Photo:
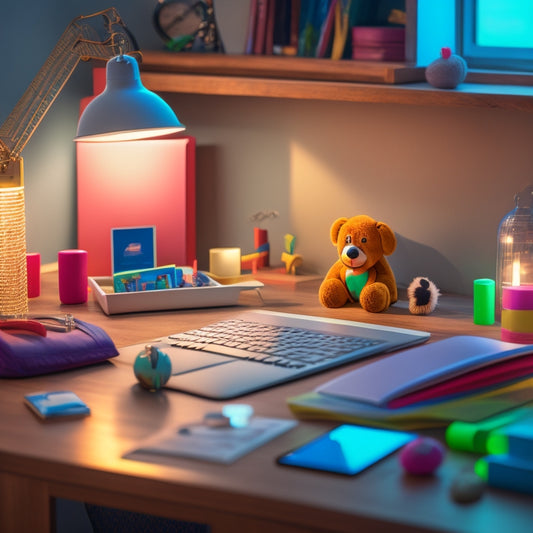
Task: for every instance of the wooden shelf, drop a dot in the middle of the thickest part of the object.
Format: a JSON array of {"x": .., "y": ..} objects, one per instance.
[{"x": 318, "y": 79}]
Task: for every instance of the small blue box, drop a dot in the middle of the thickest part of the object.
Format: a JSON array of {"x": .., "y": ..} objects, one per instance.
[
  {"x": 506, "y": 472},
  {"x": 56, "y": 404},
  {"x": 515, "y": 439}
]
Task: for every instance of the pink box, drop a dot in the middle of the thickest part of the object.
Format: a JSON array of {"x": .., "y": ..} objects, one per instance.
[
  {"x": 377, "y": 35},
  {"x": 149, "y": 182},
  {"x": 379, "y": 53}
]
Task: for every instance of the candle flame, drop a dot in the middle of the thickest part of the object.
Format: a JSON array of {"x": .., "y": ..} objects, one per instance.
[{"x": 516, "y": 273}]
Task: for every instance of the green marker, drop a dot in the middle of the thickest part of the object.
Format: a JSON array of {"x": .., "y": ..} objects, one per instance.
[{"x": 472, "y": 436}]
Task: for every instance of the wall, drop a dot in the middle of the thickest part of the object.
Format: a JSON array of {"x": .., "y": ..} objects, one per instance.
[
  {"x": 442, "y": 178},
  {"x": 30, "y": 30}
]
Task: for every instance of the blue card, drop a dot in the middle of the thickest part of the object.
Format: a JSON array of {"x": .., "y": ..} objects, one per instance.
[
  {"x": 56, "y": 404},
  {"x": 133, "y": 248}
]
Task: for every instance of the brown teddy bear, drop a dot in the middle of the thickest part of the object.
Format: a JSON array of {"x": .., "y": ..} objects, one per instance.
[{"x": 361, "y": 272}]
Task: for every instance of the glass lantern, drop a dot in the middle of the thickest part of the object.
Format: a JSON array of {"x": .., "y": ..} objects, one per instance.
[{"x": 515, "y": 245}]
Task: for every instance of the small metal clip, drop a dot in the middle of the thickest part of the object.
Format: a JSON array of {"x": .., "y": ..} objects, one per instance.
[{"x": 63, "y": 324}]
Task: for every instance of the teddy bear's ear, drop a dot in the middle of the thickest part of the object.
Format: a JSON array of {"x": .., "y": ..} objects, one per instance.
[
  {"x": 388, "y": 239},
  {"x": 335, "y": 228}
]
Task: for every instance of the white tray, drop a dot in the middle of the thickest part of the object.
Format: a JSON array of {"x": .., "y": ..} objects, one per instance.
[{"x": 166, "y": 299}]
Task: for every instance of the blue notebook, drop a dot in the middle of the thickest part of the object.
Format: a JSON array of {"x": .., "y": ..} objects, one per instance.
[{"x": 379, "y": 382}]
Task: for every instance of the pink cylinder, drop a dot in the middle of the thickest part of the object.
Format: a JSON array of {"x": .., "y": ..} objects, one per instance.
[
  {"x": 516, "y": 337},
  {"x": 518, "y": 298},
  {"x": 33, "y": 269},
  {"x": 73, "y": 282}
]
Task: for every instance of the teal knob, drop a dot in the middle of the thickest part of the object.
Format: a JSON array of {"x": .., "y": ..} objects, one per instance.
[{"x": 152, "y": 368}]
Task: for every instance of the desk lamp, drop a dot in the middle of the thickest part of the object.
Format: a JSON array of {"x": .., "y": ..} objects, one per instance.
[{"x": 102, "y": 35}]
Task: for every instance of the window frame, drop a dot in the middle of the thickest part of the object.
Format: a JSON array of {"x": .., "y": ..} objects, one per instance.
[{"x": 486, "y": 57}]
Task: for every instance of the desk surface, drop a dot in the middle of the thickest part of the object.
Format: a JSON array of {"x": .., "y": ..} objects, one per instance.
[{"x": 81, "y": 459}]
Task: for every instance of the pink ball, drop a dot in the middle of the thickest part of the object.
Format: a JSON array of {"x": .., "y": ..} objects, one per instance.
[{"x": 422, "y": 456}]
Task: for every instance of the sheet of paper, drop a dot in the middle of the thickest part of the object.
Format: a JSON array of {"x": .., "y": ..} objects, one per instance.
[{"x": 219, "y": 445}]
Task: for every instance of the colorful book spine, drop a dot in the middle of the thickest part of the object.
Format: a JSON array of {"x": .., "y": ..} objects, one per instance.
[{"x": 261, "y": 26}]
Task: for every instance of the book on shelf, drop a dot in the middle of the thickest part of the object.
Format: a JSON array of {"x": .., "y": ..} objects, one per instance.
[
  {"x": 261, "y": 26},
  {"x": 323, "y": 47},
  {"x": 250, "y": 37},
  {"x": 321, "y": 28}
]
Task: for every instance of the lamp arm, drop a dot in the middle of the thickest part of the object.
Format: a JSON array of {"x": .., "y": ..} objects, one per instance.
[{"x": 101, "y": 35}]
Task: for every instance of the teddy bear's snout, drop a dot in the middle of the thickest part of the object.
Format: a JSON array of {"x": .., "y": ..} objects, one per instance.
[
  {"x": 353, "y": 256},
  {"x": 353, "y": 252}
]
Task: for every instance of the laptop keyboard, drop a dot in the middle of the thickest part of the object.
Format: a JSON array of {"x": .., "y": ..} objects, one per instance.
[{"x": 285, "y": 346}]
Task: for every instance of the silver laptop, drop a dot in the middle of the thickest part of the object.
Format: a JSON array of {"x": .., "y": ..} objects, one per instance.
[{"x": 258, "y": 349}]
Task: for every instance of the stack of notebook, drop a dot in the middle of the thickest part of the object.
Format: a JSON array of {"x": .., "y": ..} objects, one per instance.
[{"x": 464, "y": 378}]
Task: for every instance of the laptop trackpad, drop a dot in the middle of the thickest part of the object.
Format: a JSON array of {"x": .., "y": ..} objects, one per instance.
[
  {"x": 182, "y": 360},
  {"x": 228, "y": 381}
]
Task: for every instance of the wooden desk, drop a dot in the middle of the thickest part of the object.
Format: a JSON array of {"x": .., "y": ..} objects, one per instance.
[{"x": 81, "y": 459}]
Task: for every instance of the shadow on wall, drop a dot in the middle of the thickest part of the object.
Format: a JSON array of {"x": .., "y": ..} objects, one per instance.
[
  {"x": 208, "y": 207},
  {"x": 412, "y": 259}
]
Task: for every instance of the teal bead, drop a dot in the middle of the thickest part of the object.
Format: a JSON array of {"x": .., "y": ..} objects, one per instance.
[{"x": 152, "y": 368}]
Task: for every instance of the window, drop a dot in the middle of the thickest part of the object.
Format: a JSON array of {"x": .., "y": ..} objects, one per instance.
[{"x": 496, "y": 34}]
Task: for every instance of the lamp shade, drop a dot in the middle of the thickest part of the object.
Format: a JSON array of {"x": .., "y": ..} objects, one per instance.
[{"x": 126, "y": 110}]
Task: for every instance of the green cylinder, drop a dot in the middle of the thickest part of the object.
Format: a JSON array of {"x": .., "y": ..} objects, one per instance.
[{"x": 484, "y": 301}]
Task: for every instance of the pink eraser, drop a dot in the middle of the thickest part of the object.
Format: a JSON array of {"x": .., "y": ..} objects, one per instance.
[
  {"x": 422, "y": 456},
  {"x": 72, "y": 268},
  {"x": 33, "y": 269},
  {"x": 518, "y": 298}
]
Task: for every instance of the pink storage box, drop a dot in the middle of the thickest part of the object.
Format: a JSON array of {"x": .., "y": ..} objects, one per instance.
[
  {"x": 378, "y": 43},
  {"x": 377, "y": 35}
]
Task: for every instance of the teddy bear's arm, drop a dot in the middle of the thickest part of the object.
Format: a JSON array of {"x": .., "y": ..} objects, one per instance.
[
  {"x": 335, "y": 271},
  {"x": 333, "y": 291},
  {"x": 385, "y": 275}
]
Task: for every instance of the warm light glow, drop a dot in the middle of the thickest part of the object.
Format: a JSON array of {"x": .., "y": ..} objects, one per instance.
[
  {"x": 141, "y": 183},
  {"x": 132, "y": 135},
  {"x": 515, "y": 279},
  {"x": 225, "y": 262}
]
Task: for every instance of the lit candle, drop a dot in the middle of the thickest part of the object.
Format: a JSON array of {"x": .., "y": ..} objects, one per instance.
[
  {"x": 225, "y": 262},
  {"x": 515, "y": 279}
]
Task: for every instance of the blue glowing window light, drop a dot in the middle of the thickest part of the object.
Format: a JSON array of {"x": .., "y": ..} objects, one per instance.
[{"x": 506, "y": 23}]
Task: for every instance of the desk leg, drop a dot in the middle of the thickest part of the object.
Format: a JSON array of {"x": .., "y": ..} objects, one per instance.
[{"x": 25, "y": 505}]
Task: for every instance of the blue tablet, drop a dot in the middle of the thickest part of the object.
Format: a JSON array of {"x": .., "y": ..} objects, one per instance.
[{"x": 347, "y": 449}]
